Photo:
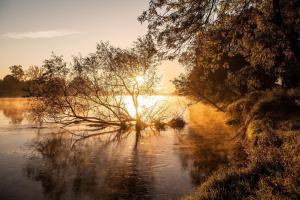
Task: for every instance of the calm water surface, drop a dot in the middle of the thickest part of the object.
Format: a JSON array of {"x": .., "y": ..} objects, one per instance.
[{"x": 50, "y": 163}]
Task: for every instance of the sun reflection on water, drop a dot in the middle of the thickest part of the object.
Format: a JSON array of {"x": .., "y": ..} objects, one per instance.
[{"x": 145, "y": 103}]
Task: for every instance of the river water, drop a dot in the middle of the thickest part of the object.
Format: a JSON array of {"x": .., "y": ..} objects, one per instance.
[{"x": 49, "y": 163}]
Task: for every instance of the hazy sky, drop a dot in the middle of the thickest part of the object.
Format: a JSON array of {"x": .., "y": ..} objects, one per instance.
[{"x": 31, "y": 29}]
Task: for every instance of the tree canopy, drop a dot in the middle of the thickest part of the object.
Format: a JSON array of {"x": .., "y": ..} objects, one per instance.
[
  {"x": 95, "y": 90},
  {"x": 230, "y": 47},
  {"x": 17, "y": 72}
]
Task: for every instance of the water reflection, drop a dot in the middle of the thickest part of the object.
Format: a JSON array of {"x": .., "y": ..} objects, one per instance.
[
  {"x": 13, "y": 109},
  {"x": 94, "y": 169},
  {"x": 165, "y": 165},
  {"x": 207, "y": 146},
  {"x": 201, "y": 158}
]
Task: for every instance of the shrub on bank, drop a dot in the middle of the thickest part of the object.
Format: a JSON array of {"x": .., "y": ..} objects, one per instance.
[
  {"x": 271, "y": 173},
  {"x": 271, "y": 167}
]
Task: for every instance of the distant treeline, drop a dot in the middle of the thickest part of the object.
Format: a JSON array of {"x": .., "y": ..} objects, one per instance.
[
  {"x": 19, "y": 82},
  {"x": 12, "y": 87}
]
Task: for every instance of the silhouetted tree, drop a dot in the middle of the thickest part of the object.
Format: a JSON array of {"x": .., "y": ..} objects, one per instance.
[
  {"x": 17, "y": 72},
  {"x": 11, "y": 87},
  {"x": 14, "y": 84},
  {"x": 33, "y": 75},
  {"x": 96, "y": 90}
]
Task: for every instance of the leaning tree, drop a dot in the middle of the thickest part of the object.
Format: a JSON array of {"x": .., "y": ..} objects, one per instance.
[{"x": 95, "y": 90}]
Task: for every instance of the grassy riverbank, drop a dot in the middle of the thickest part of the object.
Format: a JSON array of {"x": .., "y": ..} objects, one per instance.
[{"x": 266, "y": 162}]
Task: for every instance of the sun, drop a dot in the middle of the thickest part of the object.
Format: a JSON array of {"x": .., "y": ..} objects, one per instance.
[{"x": 140, "y": 80}]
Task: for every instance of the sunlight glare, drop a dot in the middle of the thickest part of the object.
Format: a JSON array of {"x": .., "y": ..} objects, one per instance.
[
  {"x": 146, "y": 102},
  {"x": 140, "y": 80}
]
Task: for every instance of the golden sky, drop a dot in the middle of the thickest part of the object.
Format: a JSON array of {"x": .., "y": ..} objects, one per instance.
[{"x": 32, "y": 29}]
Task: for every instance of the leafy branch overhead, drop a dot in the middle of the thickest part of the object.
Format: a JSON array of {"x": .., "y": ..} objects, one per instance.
[{"x": 230, "y": 47}]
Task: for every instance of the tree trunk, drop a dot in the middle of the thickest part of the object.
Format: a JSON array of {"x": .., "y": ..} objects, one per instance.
[{"x": 138, "y": 122}]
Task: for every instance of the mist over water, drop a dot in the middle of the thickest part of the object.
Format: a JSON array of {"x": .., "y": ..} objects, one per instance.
[{"x": 45, "y": 163}]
